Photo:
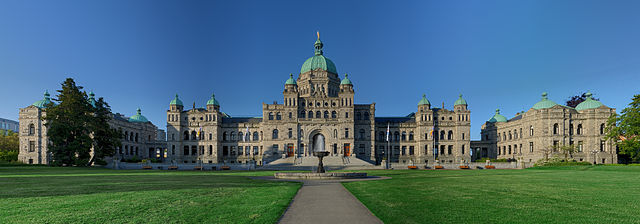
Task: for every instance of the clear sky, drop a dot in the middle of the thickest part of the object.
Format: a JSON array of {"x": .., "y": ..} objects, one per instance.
[{"x": 499, "y": 54}]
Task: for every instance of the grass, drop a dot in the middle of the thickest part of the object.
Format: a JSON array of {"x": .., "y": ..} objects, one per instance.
[
  {"x": 584, "y": 194},
  {"x": 31, "y": 194}
]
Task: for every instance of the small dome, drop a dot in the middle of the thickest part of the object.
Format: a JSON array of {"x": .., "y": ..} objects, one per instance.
[
  {"x": 346, "y": 80},
  {"x": 92, "y": 99},
  {"x": 460, "y": 101},
  {"x": 213, "y": 101},
  {"x": 424, "y": 100},
  {"x": 544, "y": 103},
  {"x": 43, "y": 102},
  {"x": 318, "y": 60},
  {"x": 138, "y": 118},
  {"x": 589, "y": 103},
  {"x": 291, "y": 81},
  {"x": 176, "y": 101},
  {"x": 497, "y": 117}
]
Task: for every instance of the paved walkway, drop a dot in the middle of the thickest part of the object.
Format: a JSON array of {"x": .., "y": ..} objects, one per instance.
[{"x": 326, "y": 202}]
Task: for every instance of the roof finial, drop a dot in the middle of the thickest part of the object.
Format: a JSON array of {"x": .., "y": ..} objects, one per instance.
[
  {"x": 497, "y": 111},
  {"x": 460, "y": 95},
  {"x": 318, "y": 33},
  {"x": 544, "y": 95},
  {"x": 194, "y": 105},
  {"x": 424, "y": 95},
  {"x": 290, "y": 75},
  {"x": 588, "y": 95},
  {"x": 139, "y": 111},
  {"x": 318, "y": 45}
]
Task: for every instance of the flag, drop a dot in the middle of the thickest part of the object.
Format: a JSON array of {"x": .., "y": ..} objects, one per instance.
[
  {"x": 387, "y": 132},
  {"x": 199, "y": 131}
]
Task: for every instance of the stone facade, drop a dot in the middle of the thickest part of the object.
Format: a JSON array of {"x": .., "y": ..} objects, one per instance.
[
  {"x": 531, "y": 135},
  {"x": 317, "y": 103},
  {"x": 140, "y": 139}
]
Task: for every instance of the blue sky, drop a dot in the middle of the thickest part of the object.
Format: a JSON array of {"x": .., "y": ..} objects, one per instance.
[{"x": 499, "y": 54}]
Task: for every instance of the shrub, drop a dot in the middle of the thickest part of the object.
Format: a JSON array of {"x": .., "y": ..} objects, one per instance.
[
  {"x": 482, "y": 160},
  {"x": 555, "y": 161}
]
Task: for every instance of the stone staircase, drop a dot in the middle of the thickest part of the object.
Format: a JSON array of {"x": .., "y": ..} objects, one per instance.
[{"x": 309, "y": 163}]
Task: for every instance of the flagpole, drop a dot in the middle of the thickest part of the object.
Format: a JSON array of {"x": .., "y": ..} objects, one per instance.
[{"x": 388, "y": 150}]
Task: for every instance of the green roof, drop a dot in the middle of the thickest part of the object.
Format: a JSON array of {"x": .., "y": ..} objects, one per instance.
[
  {"x": 176, "y": 101},
  {"x": 544, "y": 103},
  {"x": 497, "y": 117},
  {"x": 460, "y": 101},
  {"x": 138, "y": 118},
  {"x": 92, "y": 99},
  {"x": 43, "y": 102},
  {"x": 346, "y": 80},
  {"x": 213, "y": 101},
  {"x": 318, "y": 60},
  {"x": 589, "y": 103},
  {"x": 424, "y": 100},
  {"x": 291, "y": 81}
]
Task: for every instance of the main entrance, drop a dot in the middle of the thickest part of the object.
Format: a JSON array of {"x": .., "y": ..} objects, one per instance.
[
  {"x": 290, "y": 150},
  {"x": 347, "y": 149}
]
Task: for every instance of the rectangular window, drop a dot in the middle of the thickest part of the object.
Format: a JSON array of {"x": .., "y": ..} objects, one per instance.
[
  {"x": 601, "y": 146},
  {"x": 255, "y": 150},
  {"x": 233, "y": 150},
  {"x": 239, "y": 150},
  {"x": 194, "y": 150},
  {"x": 404, "y": 150},
  {"x": 579, "y": 146},
  {"x": 290, "y": 133},
  {"x": 32, "y": 146},
  {"x": 346, "y": 133},
  {"x": 462, "y": 149},
  {"x": 411, "y": 150},
  {"x": 274, "y": 147},
  {"x": 449, "y": 149},
  {"x": 186, "y": 150},
  {"x": 530, "y": 146}
]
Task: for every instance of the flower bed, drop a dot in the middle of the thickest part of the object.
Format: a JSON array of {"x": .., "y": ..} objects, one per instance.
[
  {"x": 226, "y": 168},
  {"x": 413, "y": 167},
  {"x": 464, "y": 167},
  {"x": 489, "y": 167},
  {"x": 438, "y": 167},
  {"x": 147, "y": 167}
]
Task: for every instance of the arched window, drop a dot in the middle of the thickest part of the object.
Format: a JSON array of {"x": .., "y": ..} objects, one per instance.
[
  {"x": 126, "y": 136},
  {"x": 504, "y": 136},
  {"x": 531, "y": 130},
  {"x": 334, "y": 114},
  {"x": 310, "y": 114},
  {"x": 303, "y": 114},
  {"x": 396, "y": 136},
  {"x": 210, "y": 136},
  {"x": 225, "y": 136},
  {"x": 366, "y": 115},
  {"x": 193, "y": 135},
  {"x": 570, "y": 129},
  {"x": 318, "y": 115},
  {"x": 233, "y": 136},
  {"x": 404, "y": 136},
  {"x": 275, "y": 134},
  {"x": 555, "y": 128},
  {"x": 411, "y": 136},
  {"x": 290, "y": 115},
  {"x": 602, "y": 129},
  {"x": 270, "y": 116},
  {"x": 255, "y": 136},
  {"x": 240, "y": 136},
  {"x": 358, "y": 116},
  {"x": 131, "y": 136},
  {"x": 326, "y": 114},
  {"x": 442, "y": 135},
  {"x": 510, "y": 136},
  {"x": 579, "y": 130},
  {"x": 381, "y": 136},
  {"x": 32, "y": 129},
  {"x": 335, "y": 133},
  {"x": 186, "y": 135},
  {"x": 450, "y": 135},
  {"x": 136, "y": 137},
  {"x": 278, "y": 116},
  {"x": 515, "y": 134},
  {"x": 362, "y": 135}
]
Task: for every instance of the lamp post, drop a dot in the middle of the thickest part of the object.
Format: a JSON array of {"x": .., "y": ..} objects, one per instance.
[{"x": 595, "y": 153}]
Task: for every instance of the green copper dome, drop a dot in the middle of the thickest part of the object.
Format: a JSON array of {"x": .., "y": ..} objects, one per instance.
[
  {"x": 346, "y": 80},
  {"x": 138, "y": 118},
  {"x": 544, "y": 103},
  {"x": 213, "y": 101},
  {"x": 497, "y": 117},
  {"x": 318, "y": 60},
  {"x": 43, "y": 102},
  {"x": 589, "y": 103},
  {"x": 460, "y": 101},
  {"x": 424, "y": 100},
  {"x": 92, "y": 99},
  {"x": 176, "y": 101},
  {"x": 291, "y": 81}
]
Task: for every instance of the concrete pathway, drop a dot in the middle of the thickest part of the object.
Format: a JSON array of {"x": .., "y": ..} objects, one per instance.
[{"x": 326, "y": 201}]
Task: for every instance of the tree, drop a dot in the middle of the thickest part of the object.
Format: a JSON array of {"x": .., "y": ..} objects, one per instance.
[
  {"x": 9, "y": 146},
  {"x": 624, "y": 129},
  {"x": 567, "y": 150},
  {"x": 577, "y": 99},
  {"x": 105, "y": 138}
]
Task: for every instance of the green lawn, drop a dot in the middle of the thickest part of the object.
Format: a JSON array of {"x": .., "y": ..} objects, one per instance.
[
  {"x": 94, "y": 195},
  {"x": 600, "y": 194}
]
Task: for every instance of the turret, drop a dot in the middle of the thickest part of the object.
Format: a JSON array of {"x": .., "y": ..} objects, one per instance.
[
  {"x": 176, "y": 104},
  {"x": 212, "y": 103},
  {"x": 460, "y": 104}
]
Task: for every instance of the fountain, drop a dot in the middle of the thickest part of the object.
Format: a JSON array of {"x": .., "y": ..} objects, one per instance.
[{"x": 319, "y": 173}]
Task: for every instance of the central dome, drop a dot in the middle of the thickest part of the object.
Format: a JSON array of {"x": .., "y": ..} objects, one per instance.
[{"x": 318, "y": 61}]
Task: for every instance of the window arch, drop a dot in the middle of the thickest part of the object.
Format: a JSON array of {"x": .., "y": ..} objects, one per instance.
[
  {"x": 186, "y": 135},
  {"x": 270, "y": 115},
  {"x": 274, "y": 135},
  {"x": 233, "y": 136},
  {"x": 310, "y": 114},
  {"x": 555, "y": 128},
  {"x": 510, "y": 136},
  {"x": 531, "y": 130},
  {"x": 303, "y": 114},
  {"x": 225, "y": 136},
  {"x": 334, "y": 114},
  {"x": 255, "y": 136},
  {"x": 193, "y": 135},
  {"x": 362, "y": 134},
  {"x": 442, "y": 134},
  {"x": 32, "y": 129},
  {"x": 290, "y": 115},
  {"x": 515, "y": 134},
  {"x": 570, "y": 129},
  {"x": 318, "y": 115},
  {"x": 404, "y": 136},
  {"x": 450, "y": 135},
  {"x": 358, "y": 116},
  {"x": 602, "y": 129},
  {"x": 335, "y": 133},
  {"x": 210, "y": 136},
  {"x": 411, "y": 136},
  {"x": 240, "y": 135},
  {"x": 326, "y": 114},
  {"x": 278, "y": 116},
  {"x": 579, "y": 130},
  {"x": 396, "y": 136}
]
